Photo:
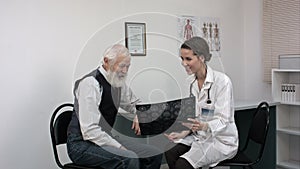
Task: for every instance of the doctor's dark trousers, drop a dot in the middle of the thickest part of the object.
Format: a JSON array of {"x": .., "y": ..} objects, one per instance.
[{"x": 173, "y": 153}]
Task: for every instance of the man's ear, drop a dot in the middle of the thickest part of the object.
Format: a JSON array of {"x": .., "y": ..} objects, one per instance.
[
  {"x": 105, "y": 63},
  {"x": 105, "y": 60}
]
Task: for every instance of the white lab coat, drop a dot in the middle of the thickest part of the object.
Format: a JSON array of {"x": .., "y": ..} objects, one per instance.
[{"x": 220, "y": 142}]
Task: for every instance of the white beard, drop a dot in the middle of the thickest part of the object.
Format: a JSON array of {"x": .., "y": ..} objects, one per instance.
[{"x": 116, "y": 79}]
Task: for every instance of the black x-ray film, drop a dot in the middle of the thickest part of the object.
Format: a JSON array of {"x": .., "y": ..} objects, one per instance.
[{"x": 165, "y": 117}]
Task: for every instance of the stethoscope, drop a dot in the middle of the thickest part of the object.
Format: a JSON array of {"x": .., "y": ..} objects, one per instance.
[{"x": 208, "y": 101}]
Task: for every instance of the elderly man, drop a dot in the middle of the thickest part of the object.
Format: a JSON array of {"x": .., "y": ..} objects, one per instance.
[{"x": 98, "y": 95}]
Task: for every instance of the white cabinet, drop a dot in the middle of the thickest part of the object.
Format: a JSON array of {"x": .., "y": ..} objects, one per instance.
[{"x": 288, "y": 119}]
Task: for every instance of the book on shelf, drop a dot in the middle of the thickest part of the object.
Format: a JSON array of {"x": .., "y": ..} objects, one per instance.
[{"x": 290, "y": 92}]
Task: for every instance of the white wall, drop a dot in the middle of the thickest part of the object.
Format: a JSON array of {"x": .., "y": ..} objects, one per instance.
[
  {"x": 255, "y": 88},
  {"x": 45, "y": 45}
]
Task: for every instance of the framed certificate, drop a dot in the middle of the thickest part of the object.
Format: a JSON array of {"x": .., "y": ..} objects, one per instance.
[{"x": 135, "y": 38}]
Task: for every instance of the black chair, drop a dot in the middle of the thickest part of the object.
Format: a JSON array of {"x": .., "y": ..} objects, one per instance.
[
  {"x": 257, "y": 134},
  {"x": 58, "y": 128}
]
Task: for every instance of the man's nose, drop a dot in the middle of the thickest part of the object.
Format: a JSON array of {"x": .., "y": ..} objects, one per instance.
[{"x": 125, "y": 69}]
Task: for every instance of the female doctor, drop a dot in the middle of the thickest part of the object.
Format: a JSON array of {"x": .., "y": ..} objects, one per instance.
[{"x": 213, "y": 135}]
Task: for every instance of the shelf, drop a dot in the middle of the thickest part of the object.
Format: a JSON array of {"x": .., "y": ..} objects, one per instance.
[
  {"x": 287, "y": 70},
  {"x": 290, "y": 130},
  {"x": 284, "y": 76},
  {"x": 289, "y": 164},
  {"x": 291, "y": 103},
  {"x": 288, "y": 120}
]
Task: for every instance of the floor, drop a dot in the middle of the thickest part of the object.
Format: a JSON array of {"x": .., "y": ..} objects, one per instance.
[{"x": 165, "y": 166}]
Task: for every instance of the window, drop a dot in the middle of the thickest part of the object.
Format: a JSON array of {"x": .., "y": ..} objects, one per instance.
[{"x": 281, "y": 32}]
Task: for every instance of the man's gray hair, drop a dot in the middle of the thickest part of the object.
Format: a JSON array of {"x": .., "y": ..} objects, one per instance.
[{"x": 112, "y": 52}]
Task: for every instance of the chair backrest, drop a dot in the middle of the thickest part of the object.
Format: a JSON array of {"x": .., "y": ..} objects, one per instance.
[
  {"x": 260, "y": 123},
  {"x": 58, "y": 127},
  {"x": 259, "y": 126}
]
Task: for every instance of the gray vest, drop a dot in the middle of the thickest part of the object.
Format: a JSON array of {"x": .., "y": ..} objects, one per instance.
[{"x": 108, "y": 107}]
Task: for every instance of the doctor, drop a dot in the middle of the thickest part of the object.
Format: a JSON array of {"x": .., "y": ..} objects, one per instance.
[{"x": 213, "y": 135}]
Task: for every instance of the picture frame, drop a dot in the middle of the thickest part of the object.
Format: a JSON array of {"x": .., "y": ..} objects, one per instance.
[{"x": 135, "y": 38}]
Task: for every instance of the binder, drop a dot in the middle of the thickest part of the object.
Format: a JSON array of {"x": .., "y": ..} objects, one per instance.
[
  {"x": 290, "y": 92},
  {"x": 296, "y": 92}
]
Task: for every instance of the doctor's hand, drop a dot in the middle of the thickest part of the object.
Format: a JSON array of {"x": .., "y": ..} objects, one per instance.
[
  {"x": 196, "y": 125},
  {"x": 175, "y": 135},
  {"x": 136, "y": 126}
]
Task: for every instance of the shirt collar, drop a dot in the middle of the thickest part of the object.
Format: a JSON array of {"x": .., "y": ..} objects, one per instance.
[
  {"x": 209, "y": 76},
  {"x": 103, "y": 71}
]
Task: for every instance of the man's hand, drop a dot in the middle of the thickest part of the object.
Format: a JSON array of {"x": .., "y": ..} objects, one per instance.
[
  {"x": 123, "y": 148},
  {"x": 136, "y": 126}
]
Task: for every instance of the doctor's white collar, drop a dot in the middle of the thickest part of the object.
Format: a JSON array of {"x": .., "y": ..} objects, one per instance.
[{"x": 209, "y": 76}]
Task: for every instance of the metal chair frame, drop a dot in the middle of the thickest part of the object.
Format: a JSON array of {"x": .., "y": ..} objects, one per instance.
[
  {"x": 58, "y": 129},
  {"x": 257, "y": 133}
]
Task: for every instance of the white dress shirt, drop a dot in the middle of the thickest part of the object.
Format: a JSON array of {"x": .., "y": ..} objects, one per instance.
[{"x": 89, "y": 95}]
